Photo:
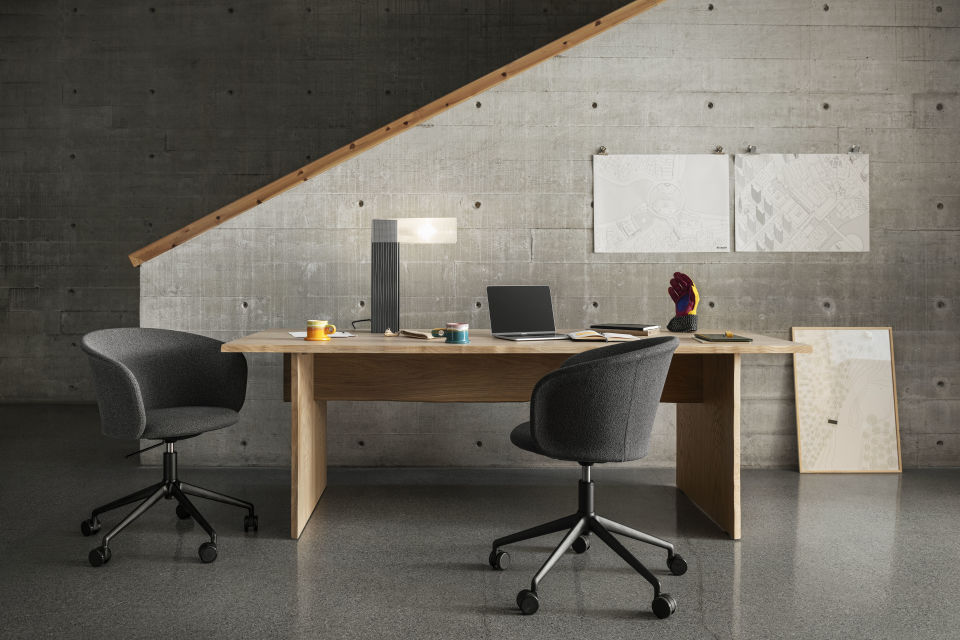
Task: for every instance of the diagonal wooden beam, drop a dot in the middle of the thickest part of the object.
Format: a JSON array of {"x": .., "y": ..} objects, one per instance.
[{"x": 395, "y": 128}]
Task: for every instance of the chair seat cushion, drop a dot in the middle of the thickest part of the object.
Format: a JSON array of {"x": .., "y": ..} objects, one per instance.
[
  {"x": 523, "y": 438},
  {"x": 184, "y": 422}
]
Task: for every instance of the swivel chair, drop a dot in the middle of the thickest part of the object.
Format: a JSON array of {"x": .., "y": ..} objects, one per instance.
[
  {"x": 164, "y": 385},
  {"x": 599, "y": 406}
]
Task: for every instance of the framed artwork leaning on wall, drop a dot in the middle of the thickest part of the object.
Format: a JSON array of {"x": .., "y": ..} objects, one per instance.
[{"x": 846, "y": 399}]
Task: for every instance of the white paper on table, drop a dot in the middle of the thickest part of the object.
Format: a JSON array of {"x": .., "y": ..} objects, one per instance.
[{"x": 338, "y": 334}]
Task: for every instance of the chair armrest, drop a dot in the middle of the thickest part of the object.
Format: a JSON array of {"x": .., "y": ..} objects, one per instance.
[
  {"x": 579, "y": 412},
  {"x": 122, "y": 412},
  {"x": 226, "y": 379},
  {"x": 199, "y": 376},
  {"x": 191, "y": 371}
]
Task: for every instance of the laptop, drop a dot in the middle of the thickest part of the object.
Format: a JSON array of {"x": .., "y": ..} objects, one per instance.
[{"x": 522, "y": 312}]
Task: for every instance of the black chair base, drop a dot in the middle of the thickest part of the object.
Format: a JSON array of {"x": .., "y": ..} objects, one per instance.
[
  {"x": 169, "y": 488},
  {"x": 580, "y": 525}
]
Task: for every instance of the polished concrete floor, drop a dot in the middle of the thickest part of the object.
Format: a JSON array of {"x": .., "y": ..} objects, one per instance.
[{"x": 402, "y": 553}]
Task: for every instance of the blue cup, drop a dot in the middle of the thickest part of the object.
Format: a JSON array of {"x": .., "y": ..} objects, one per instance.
[{"x": 455, "y": 333}]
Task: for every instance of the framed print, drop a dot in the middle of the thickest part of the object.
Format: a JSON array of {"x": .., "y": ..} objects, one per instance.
[{"x": 846, "y": 396}]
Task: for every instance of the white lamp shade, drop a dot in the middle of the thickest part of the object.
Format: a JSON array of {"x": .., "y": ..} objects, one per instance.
[{"x": 427, "y": 230}]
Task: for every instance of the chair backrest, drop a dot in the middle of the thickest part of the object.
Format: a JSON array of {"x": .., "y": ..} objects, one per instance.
[
  {"x": 599, "y": 406},
  {"x": 135, "y": 370}
]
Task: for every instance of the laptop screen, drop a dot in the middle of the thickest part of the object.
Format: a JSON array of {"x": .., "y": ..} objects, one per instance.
[{"x": 520, "y": 309}]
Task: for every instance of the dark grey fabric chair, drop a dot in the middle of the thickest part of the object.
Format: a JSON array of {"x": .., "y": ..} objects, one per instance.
[
  {"x": 164, "y": 385},
  {"x": 599, "y": 406}
]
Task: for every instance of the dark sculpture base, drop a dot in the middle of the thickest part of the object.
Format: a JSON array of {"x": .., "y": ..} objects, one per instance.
[{"x": 682, "y": 324}]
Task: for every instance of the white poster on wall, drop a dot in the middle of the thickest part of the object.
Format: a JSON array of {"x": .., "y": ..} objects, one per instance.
[
  {"x": 814, "y": 202},
  {"x": 661, "y": 203}
]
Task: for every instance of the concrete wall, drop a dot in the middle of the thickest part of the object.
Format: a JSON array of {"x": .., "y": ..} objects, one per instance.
[
  {"x": 514, "y": 166},
  {"x": 123, "y": 121}
]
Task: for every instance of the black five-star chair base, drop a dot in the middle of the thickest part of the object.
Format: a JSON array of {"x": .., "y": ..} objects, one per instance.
[
  {"x": 170, "y": 487},
  {"x": 580, "y": 525}
]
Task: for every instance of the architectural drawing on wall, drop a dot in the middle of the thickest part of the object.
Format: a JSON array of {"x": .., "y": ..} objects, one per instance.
[
  {"x": 846, "y": 400},
  {"x": 789, "y": 202},
  {"x": 661, "y": 203}
]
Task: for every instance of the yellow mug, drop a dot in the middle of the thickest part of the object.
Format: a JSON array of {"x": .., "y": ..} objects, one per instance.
[{"x": 319, "y": 330}]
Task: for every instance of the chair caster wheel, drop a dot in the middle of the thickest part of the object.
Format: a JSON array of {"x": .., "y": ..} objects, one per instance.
[
  {"x": 677, "y": 565},
  {"x": 99, "y": 556},
  {"x": 499, "y": 559},
  {"x": 207, "y": 552},
  {"x": 251, "y": 522},
  {"x": 664, "y": 605},
  {"x": 182, "y": 513},
  {"x": 90, "y": 527},
  {"x": 581, "y": 544},
  {"x": 528, "y": 602}
]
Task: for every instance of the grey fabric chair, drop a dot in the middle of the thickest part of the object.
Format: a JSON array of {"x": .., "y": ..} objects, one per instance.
[
  {"x": 164, "y": 385},
  {"x": 599, "y": 406}
]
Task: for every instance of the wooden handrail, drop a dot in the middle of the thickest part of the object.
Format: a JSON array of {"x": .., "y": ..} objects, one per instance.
[{"x": 383, "y": 134}]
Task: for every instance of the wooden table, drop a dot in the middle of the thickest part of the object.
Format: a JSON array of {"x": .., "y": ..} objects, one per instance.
[{"x": 704, "y": 381}]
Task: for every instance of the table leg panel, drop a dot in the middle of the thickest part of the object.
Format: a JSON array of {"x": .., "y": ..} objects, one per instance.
[
  {"x": 708, "y": 444},
  {"x": 308, "y": 444}
]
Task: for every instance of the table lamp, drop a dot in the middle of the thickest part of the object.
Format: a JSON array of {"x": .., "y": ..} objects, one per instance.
[{"x": 387, "y": 237}]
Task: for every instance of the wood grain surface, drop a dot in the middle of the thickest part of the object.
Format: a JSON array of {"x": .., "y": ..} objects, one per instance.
[
  {"x": 308, "y": 445},
  {"x": 280, "y": 341},
  {"x": 481, "y": 377},
  {"x": 708, "y": 444}
]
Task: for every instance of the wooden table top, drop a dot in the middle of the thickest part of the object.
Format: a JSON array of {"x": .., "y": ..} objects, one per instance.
[{"x": 280, "y": 341}]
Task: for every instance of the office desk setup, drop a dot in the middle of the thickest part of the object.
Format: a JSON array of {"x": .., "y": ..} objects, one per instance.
[{"x": 703, "y": 380}]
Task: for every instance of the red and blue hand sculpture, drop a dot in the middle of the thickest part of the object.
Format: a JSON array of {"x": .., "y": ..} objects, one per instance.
[{"x": 685, "y": 296}]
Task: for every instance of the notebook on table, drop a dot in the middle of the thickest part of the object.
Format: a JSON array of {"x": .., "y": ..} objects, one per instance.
[
  {"x": 522, "y": 312},
  {"x": 721, "y": 337},
  {"x": 642, "y": 329}
]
